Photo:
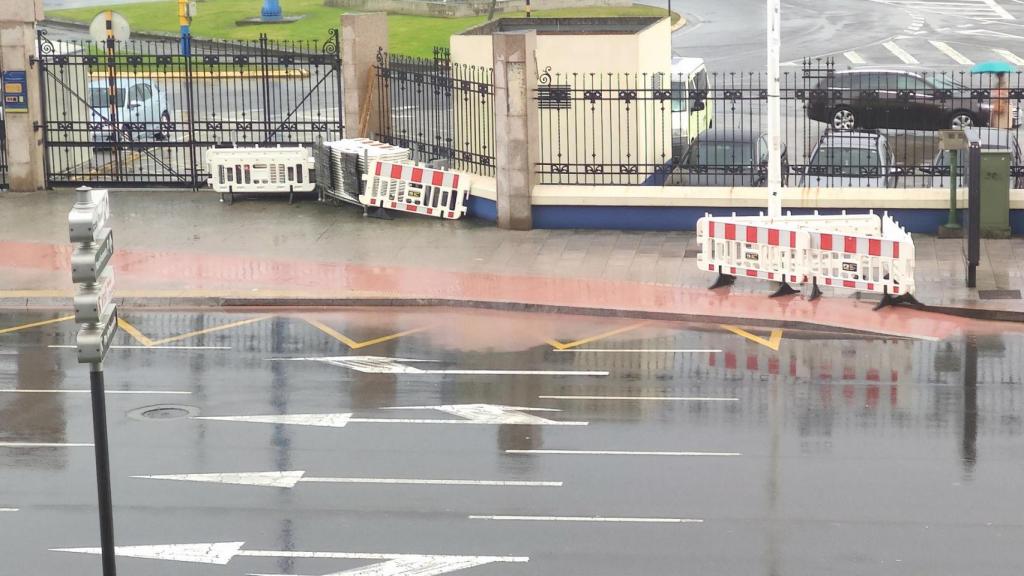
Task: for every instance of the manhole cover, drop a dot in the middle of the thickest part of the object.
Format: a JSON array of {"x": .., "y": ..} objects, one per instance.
[
  {"x": 163, "y": 412},
  {"x": 999, "y": 294}
]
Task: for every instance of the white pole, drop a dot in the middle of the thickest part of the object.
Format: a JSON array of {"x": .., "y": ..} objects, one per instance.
[{"x": 774, "y": 109}]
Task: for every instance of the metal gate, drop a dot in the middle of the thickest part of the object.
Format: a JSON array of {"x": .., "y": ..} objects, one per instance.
[{"x": 139, "y": 114}]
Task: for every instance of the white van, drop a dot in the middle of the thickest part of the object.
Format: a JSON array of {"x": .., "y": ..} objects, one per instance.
[{"x": 692, "y": 111}]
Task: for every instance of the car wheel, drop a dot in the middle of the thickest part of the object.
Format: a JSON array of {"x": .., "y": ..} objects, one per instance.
[
  {"x": 844, "y": 119},
  {"x": 962, "y": 119},
  {"x": 165, "y": 126}
]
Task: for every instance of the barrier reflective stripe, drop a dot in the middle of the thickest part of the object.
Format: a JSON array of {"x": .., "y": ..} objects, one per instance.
[{"x": 416, "y": 189}]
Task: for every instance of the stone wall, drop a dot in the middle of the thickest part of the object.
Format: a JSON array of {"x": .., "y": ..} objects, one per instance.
[{"x": 462, "y": 9}]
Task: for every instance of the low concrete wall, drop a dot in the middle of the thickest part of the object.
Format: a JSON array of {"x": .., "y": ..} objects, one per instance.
[{"x": 464, "y": 9}]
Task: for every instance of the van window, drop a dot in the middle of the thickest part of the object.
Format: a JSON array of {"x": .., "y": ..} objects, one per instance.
[
  {"x": 679, "y": 96},
  {"x": 98, "y": 98},
  {"x": 701, "y": 80}
]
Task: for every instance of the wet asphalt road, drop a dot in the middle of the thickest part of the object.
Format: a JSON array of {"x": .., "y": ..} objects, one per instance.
[{"x": 837, "y": 454}]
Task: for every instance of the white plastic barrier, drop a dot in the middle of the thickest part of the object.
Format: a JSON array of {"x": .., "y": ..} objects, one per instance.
[
  {"x": 860, "y": 252},
  {"x": 883, "y": 262},
  {"x": 418, "y": 189},
  {"x": 254, "y": 170},
  {"x": 752, "y": 248}
]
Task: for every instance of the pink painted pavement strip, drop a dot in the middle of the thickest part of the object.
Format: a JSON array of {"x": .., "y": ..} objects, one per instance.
[{"x": 29, "y": 268}]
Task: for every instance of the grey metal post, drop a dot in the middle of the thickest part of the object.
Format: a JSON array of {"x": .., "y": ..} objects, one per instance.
[
  {"x": 106, "y": 502},
  {"x": 973, "y": 214}
]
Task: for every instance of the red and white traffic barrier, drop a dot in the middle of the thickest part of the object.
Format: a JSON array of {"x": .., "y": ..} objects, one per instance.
[
  {"x": 412, "y": 188},
  {"x": 749, "y": 248},
  {"x": 859, "y": 252}
]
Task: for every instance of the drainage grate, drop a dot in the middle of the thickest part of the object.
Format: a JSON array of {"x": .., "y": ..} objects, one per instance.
[
  {"x": 999, "y": 294},
  {"x": 163, "y": 412}
]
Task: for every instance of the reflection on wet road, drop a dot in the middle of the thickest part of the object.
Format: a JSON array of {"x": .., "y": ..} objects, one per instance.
[{"x": 427, "y": 441}]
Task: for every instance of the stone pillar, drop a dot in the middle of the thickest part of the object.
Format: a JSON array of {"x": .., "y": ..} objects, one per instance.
[
  {"x": 17, "y": 47},
  {"x": 362, "y": 35},
  {"x": 516, "y": 149}
]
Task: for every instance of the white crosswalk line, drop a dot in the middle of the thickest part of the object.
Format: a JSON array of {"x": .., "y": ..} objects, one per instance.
[
  {"x": 853, "y": 57},
  {"x": 999, "y": 10},
  {"x": 900, "y": 53},
  {"x": 951, "y": 52},
  {"x": 975, "y": 9},
  {"x": 1009, "y": 56}
]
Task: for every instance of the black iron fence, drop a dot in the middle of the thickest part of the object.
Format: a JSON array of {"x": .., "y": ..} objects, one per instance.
[
  {"x": 438, "y": 109},
  {"x": 850, "y": 128},
  {"x": 139, "y": 113}
]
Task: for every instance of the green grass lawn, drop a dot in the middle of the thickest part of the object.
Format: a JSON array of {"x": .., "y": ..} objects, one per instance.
[{"x": 412, "y": 35}]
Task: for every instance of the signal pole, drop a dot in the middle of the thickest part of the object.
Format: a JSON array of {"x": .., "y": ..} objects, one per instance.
[{"x": 774, "y": 109}]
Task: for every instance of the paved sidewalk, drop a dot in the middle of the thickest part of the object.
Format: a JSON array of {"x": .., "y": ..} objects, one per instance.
[{"x": 180, "y": 247}]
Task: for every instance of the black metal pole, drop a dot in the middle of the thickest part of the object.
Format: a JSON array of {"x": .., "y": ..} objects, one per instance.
[
  {"x": 106, "y": 503},
  {"x": 973, "y": 214}
]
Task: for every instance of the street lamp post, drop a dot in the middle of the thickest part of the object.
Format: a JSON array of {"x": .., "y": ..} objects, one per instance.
[{"x": 774, "y": 109}]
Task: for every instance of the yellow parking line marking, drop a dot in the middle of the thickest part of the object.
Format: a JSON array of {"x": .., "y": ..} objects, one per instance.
[
  {"x": 227, "y": 326},
  {"x": 772, "y": 341},
  {"x": 567, "y": 345},
  {"x": 134, "y": 332},
  {"x": 36, "y": 324},
  {"x": 354, "y": 345}
]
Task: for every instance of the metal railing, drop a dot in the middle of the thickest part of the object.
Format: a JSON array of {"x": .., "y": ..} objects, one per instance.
[
  {"x": 858, "y": 128},
  {"x": 3, "y": 152},
  {"x": 438, "y": 109},
  {"x": 169, "y": 109}
]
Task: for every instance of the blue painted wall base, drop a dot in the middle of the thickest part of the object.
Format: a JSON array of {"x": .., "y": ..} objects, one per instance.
[{"x": 923, "y": 221}]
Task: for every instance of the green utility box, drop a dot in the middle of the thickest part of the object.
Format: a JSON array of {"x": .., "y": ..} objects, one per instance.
[{"x": 995, "y": 194}]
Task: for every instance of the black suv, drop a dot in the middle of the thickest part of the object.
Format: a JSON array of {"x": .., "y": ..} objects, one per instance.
[{"x": 853, "y": 99}]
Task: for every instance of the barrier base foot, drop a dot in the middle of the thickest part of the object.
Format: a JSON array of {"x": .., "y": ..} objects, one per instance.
[
  {"x": 722, "y": 281},
  {"x": 378, "y": 213},
  {"x": 815, "y": 293},
  {"x": 784, "y": 290},
  {"x": 903, "y": 299}
]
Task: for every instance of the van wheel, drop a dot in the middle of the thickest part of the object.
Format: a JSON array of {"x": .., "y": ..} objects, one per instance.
[
  {"x": 165, "y": 126},
  {"x": 844, "y": 119}
]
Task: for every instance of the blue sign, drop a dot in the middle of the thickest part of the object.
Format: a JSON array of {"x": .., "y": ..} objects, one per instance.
[{"x": 15, "y": 91}]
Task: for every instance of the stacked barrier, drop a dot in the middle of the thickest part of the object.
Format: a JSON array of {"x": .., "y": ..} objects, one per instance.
[
  {"x": 858, "y": 252},
  {"x": 438, "y": 193}
]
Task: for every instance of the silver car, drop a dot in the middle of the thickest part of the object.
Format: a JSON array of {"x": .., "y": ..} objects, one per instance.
[
  {"x": 851, "y": 159},
  {"x": 141, "y": 107}
]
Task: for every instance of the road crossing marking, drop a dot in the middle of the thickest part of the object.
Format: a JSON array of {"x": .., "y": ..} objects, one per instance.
[
  {"x": 8, "y": 509},
  {"x": 83, "y": 391},
  {"x": 952, "y": 53},
  {"x": 289, "y": 479},
  {"x": 644, "y": 398},
  {"x": 43, "y": 445},
  {"x": 472, "y": 414},
  {"x": 974, "y": 9},
  {"x": 854, "y": 57},
  {"x": 36, "y": 324},
  {"x": 773, "y": 341},
  {"x": 221, "y": 553},
  {"x": 384, "y": 365},
  {"x": 567, "y": 345},
  {"x": 621, "y": 453},
  {"x": 131, "y": 347},
  {"x": 643, "y": 351},
  {"x": 1009, "y": 56},
  {"x": 150, "y": 343},
  {"x": 900, "y": 53},
  {"x": 592, "y": 519},
  {"x": 353, "y": 344}
]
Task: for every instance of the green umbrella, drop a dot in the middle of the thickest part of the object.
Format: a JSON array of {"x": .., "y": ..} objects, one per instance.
[{"x": 993, "y": 67}]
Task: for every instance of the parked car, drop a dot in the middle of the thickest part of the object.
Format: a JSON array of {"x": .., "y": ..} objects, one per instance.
[
  {"x": 851, "y": 159},
  {"x": 991, "y": 139},
  {"x": 729, "y": 157},
  {"x": 867, "y": 98},
  {"x": 142, "y": 110}
]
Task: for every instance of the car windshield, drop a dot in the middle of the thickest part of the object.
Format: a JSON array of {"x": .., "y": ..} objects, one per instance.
[
  {"x": 99, "y": 98},
  {"x": 722, "y": 153},
  {"x": 840, "y": 161}
]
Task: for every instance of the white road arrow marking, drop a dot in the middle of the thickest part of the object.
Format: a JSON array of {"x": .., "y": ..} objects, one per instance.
[
  {"x": 43, "y": 445},
  {"x": 383, "y": 365},
  {"x": 163, "y": 392},
  {"x": 289, "y": 479},
  {"x": 323, "y": 420},
  {"x": 8, "y": 509},
  {"x": 592, "y": 519},
  {"x": 223, "y": 552},
  {"x": 494, "y": 414},
  {"x": 473, "y": 414}
]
